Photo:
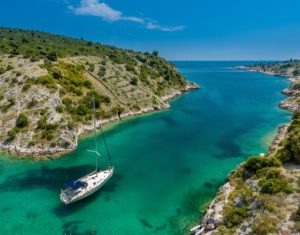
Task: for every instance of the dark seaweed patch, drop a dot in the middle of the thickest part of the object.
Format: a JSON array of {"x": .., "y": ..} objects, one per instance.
[
  {"x": 229, "y": 149},
  {"x": 161, "y": 227},
  {"x": 145, "y": 223},
  {"x": 5, "y": 209},
  {"x": 169, "y": 120},
  {"x": 208, "y": 185},
  {"x": 185, "y": 171},
  {"x": 31, "y": 215},
  {"x": 72, "y": 227}
]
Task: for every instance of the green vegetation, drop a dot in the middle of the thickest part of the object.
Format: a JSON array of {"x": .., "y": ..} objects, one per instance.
[
  {"x": 257, "y": 163},
  {"x": 296, "y": 216},
  {"x": 10, "y": 102},
  {"x": 38, "y": 45},
  {"x": 234, "y": 216},
  {"x": 22, "y": 121},
  {"x": 274, "y": 185},
  {"x": 279, "y": 67},
  {"x": 47, "y": 129},
  {"x": 291, "y": 145},
  {"x": 268, "y": 174},
  {"x": 265, "y": 224},
  {"x": 59, "y": 76},
  {"x": 11, "y": 134},
  {"x": 134, "y": 81}
]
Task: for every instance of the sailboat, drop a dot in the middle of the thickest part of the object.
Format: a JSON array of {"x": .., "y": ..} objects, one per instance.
[{"x": 90, "y": 183}]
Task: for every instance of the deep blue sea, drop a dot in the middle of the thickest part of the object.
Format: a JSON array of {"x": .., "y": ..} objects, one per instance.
[{"x": 169, "y": 164}]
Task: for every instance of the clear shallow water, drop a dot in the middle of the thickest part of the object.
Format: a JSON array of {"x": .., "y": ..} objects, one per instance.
[{"x": 168, "y": 164}]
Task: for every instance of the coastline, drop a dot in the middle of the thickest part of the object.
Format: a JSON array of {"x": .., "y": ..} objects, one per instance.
[
  {"x": 40, "y": 153},
  {"x": 213, "y": 216}
]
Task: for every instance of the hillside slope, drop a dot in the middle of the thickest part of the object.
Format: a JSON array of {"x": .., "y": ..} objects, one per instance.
[{"x": 47, "y": 83}]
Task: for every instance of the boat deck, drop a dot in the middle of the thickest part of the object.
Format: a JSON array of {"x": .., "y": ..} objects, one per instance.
[{"x": 91, "y": 183}]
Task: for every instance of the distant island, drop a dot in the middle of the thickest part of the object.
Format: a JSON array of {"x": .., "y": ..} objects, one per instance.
[
  {"x": 262, "y": 195},
  {"x": 47, "y": 83}
]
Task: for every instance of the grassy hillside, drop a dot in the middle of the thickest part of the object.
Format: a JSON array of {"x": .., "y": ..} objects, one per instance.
[{"x": 47, "y": 83}]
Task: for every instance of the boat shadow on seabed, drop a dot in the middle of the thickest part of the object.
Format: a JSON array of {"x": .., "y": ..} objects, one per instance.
[{"x": 51, "y": 179}]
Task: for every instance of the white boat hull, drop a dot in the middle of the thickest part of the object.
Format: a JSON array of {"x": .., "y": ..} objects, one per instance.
[{"x": 94, "y": 181}]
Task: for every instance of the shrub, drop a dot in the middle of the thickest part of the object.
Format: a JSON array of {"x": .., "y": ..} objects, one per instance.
[
  {"x": 52, "y": 56},
  {"x": 57, "y": 74},
  {"x": 134, "y": 81},
  {"x": 296, "y": 216},
  {"x": 129, "y": 68},
  {"x": 87, "y": 84},
  {"x": 53, "y": 144},
  {"x": 43, "y": 112},
  {"x": 102, "y": 72},
  {"x": 42, "y": 123},
  {"x": 67, "y": 101},
  {"x": 25, "y": 87},
  {"x": 48, "y": 134},
  {"x": 71, "y": 125},
  {"x": 2, "y": 70},
  {"x": 117, "y": 110},
  {"x": 265, "y": 202},
  {"x": 264, "y": 225},
  {"x": 296, "y": 72},
  {"x": 155, "y": 53},
  {"x": 22, "y": 121},
  {"x": 269, "y": 173},
  {"x": 274, "y": 185},
  {"x": 256, "y": 163},
  {"x": 234, "y": 216},
  {"x": 13, "y": 80},
  {"x": 31, "y": 143},
  {"x": 9, "y": 67},
  {"x": 65, "y": 144},
  {"x": 82, "y": 110},
  {"x": 59, "y": 108},
  {"x": 91, "y": 68},
  {"x": 297, "y": 226},
  {"x": 291, "y": 146},
  {"x": 11, "y": 134}
]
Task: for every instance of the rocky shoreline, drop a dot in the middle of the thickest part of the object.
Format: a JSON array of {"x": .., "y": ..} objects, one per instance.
[
  {"x": 39, "y": 152},
  {"x": 213, "y": 217},
  {"x": 288, "y": 104}
]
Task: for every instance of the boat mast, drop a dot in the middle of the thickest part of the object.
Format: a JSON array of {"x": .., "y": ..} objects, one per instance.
[{"x": 95, "y": 132}]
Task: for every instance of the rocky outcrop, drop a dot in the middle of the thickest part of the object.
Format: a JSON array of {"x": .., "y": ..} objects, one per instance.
[{"x": 214, "y": 217}]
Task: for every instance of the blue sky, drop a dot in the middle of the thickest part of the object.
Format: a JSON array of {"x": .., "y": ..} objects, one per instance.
[{"x": 179, "y": 30}]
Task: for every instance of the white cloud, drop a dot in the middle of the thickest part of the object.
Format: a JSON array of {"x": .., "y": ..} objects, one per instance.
[
  {"x": 134, "y": 19},
  {"x": 155, "y": 26},
  {"x": 96, "y": 8},
  {"x": 104, "y": 11}
]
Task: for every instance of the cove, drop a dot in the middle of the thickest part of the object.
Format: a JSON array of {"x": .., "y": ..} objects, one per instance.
[{"x": 169, "y": 164}]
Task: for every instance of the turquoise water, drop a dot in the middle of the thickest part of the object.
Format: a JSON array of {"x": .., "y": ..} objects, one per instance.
[{"x": 168, "y": 164}]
